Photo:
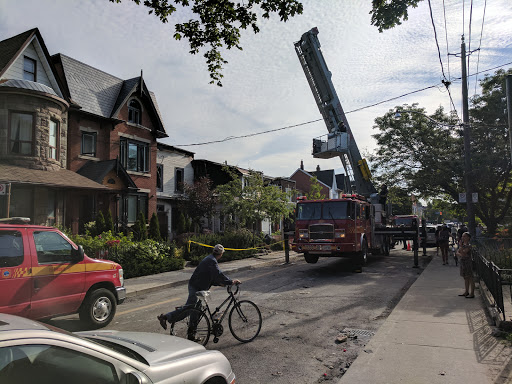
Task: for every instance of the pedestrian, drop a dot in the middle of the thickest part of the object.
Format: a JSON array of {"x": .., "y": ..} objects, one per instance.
[
  {"x": 205, "y": 275},
  {"x": 383, "y": 194},
  {"x": 466, "y": 266},
  {"x": 438, "y": 229},
  {"x": 444, "y": 243},
  {"x": 463, "y": 229}
]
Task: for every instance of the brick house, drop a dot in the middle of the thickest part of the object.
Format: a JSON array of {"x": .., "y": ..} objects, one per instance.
[
  {"x": 93, "y": 134},
  {"x": 332, "y": 184},
  {"x": 113, "y": 129},
  {"x": 34, "y": 108}
]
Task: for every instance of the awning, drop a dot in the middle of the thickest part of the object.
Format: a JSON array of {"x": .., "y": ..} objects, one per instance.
[{"x": 61, "y": 178}]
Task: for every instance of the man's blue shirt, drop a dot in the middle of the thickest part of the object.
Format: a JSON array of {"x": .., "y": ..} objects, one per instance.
[{"x": 207, "y": 274}]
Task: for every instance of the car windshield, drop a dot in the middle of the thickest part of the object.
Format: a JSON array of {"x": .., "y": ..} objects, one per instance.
[
  {"x": 335, "y": 210},
  {"x": 309, "y": 211}
]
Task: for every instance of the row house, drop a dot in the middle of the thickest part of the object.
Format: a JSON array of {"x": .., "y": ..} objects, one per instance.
[
  {"x": 174, "y": 170},
  {"x": 332, "y": 184},
  {"x": 92, "y": 134}
]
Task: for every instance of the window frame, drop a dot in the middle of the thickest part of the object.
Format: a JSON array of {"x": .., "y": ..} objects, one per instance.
[
  {"x": 160, "y": 177},
  {"x": 95, "y": 136},
  {"x": 57, "y": 141},
  {"x": 143, "y": 159},
  {"x": 26, "y": 73},
  {"x": 11, "y": 142},
  {"x": 134, "y": 112},
  {"x": 179, "y": 184}
]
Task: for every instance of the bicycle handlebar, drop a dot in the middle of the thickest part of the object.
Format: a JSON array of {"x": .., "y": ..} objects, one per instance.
[{"x": 229, "y": 288}]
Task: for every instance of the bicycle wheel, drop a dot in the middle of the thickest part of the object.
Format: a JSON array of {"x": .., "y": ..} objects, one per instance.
[
  {"x": 193, "y": 325},
  {"x": 245, "y": 321}
]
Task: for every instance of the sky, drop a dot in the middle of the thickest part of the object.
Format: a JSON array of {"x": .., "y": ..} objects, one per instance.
[{"x": 264, "y": 87}]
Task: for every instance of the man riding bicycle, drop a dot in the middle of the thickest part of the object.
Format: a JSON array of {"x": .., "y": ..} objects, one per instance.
[{"x": 205, "y": 275}]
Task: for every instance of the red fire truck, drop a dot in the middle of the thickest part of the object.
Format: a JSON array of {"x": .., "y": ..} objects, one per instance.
[{"x": 342, "y": 227}]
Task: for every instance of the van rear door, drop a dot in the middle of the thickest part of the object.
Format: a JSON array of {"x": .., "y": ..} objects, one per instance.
[{"x": 15, "y": 279}]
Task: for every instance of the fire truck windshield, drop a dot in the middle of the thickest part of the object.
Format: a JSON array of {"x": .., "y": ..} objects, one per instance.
[{"x": 331, "y": 210}]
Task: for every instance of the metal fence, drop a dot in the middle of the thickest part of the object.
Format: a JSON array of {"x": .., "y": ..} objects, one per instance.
[{"x": 493, "y": 265}]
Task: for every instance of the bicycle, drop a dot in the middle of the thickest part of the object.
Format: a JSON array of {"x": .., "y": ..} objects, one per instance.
[{"x": 198, "y": 322}]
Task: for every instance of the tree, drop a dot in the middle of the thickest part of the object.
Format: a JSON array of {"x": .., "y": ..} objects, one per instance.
[
  {"x": 249, "y": 200},
  {"x": 421, "y": 156},
  {"x": 388, "y": 14},
  {"x": 217, "y": 24},
  {"x": 400, "y": 201},
  {"x": 315, "y": 190},
  {"x": 100, "y": 223},
  {"x": 199, "y": 201},
  {"x": 139, "y": 228},
  {"x": 109, "y": 223},
  {"x": 154, "y": 228}
]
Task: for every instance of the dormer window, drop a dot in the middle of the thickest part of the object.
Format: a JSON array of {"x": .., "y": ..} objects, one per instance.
[
  {"x": 134, "y": 112},
  {"x": 29, "y": 69}
]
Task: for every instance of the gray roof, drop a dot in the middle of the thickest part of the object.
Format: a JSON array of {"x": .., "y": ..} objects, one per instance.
[
  {"x": 340, "y": 181},
  {"x": 11, "y": 46},
  {"x": 94, "y": 90},
  {"x": 25, "y": 84},
  {"x": 325, "y": 177},
  {"x": 97, "y": 170}
]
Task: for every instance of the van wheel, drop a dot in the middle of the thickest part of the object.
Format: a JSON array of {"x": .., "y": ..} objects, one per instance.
[
  {"x": 98, "y": 308},
  {"x": 310, "y": 259}
]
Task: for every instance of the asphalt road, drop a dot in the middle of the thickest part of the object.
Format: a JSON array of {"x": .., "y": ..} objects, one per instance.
[{"x": 304, "y": 308}]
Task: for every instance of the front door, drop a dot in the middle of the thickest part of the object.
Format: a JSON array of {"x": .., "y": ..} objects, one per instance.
[{"x": 58, "y": 283}]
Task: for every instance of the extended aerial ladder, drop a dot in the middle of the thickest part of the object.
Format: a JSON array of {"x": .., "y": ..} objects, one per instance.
[{"x": 340, "y": 140}]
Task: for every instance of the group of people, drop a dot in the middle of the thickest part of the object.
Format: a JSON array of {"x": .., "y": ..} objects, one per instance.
[{"x": 463, "y": 254}]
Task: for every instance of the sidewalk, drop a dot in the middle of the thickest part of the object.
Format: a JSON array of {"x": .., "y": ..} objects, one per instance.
[{"x": 433, "y": 336}]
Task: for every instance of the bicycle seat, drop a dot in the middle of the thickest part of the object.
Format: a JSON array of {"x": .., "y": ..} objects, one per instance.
[{"x": 203, "y": 294}]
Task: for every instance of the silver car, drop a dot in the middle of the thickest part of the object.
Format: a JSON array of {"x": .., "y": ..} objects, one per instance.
[{"x": 33, "y": 352}]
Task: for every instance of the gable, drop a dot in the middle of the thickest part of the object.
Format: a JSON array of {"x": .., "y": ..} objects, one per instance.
[{"x": 34, "y": 50}]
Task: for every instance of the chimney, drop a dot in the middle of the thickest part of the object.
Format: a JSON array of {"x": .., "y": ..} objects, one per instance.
[
  {"x": 318, "y": 168},
  {"x": 301, "y": 165}
]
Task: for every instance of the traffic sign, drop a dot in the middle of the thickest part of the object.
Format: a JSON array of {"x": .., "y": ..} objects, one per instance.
[
  {"x": 462, "y": 197},
  {"x": 3, "y": 189},
  {"x": 474, "y": 197}
]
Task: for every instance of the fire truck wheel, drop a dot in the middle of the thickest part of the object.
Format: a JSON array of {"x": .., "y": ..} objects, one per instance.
[
  {"x": 361, "y": 258},
  {"x": 311, "y": 259},
  {"x": 98, "y": 308}
]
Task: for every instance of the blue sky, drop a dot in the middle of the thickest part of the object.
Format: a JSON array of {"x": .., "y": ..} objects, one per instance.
[{"x": 264, "y": 86}]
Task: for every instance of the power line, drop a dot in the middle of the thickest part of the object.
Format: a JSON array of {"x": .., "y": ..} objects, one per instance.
[
  {"x": 479, "y": 45},
  {"x": 352, "y": 111},
  {"x": 435, "y": 36}
]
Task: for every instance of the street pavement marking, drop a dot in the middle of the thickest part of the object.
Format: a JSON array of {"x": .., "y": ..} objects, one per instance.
[{"x": 148, "y": 306}]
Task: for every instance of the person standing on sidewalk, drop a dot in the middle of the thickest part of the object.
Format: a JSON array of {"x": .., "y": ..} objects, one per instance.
[
  {"x": 466, "y": 266},
  {"x": 205, "y": 275},
  {"x": 444, "y": 243}
]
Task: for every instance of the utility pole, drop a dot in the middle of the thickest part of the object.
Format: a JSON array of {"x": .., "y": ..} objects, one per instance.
[
  {"x": 509, "y": 109},
  {"x": 470, "y": 209}
]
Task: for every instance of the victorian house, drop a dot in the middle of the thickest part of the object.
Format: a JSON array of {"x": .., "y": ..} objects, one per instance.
[{"x": 73, "y": 139}]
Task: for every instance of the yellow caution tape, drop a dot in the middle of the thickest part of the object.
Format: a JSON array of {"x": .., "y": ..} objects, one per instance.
[{"x": 229, "y": 249}]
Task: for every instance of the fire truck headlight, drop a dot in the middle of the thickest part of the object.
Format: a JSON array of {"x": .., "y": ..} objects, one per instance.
[
  {"x": 303, "y": 234},
  {"x": 339, "y": 233}
]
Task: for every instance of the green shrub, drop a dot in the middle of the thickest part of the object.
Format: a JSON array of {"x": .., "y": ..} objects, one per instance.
[
  {"x": 154, "y": 228},
  {"x": 109, "y": 223},
  {"x": 141, "y": 258}
]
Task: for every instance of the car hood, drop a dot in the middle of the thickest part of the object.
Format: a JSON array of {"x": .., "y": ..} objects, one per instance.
[{"x": 155, "y": 348}]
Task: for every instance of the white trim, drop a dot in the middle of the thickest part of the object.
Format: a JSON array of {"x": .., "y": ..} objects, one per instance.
[
  {"x": 89, "y": 157},
  {"x": 87, "y": 129},
  {"x": 139, "y": 173},
  {"x": 144, "y": 190}
]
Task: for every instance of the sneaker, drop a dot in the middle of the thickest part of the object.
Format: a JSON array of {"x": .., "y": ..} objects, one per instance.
[
  {"x": 193, "y": 337},
  {"x": 163, "y": 321}
]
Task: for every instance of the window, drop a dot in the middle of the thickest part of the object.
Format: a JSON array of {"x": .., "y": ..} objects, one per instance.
[
  {"x": 134, "y": 155},
  {"x": 51, "y": 247},
  {"x": 21, "y": 133},
  {"x": 29, "y": 69},
  {"x": 45, "y": 364},
  {"x": 160, "y": 177},
  {"x": 179, "y": 178},
  {"x": 134, "y": 112},
  {"x": 53, "y": 140},
  {"x": 11, "y": 249},
  {"x": 88, "y": 144},
  {"x": 131, "y": 206}
]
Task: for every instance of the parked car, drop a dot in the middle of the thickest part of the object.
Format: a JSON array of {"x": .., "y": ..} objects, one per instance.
[
  {"x": 44, "y": 274},
  {"x": 431, "y": 235},
  {"x": 32, "y": 352}
]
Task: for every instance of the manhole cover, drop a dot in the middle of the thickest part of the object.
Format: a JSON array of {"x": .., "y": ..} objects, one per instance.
[{"x": 358, "y": 332}]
